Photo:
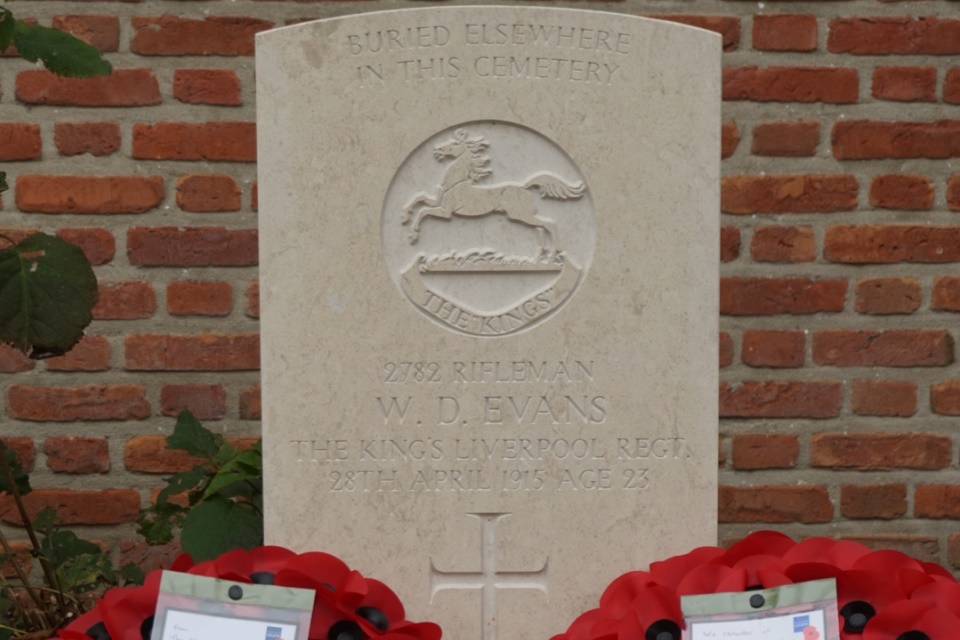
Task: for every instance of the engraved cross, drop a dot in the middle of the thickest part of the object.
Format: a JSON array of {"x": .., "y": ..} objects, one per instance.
[{"x": 488, "y": 579}]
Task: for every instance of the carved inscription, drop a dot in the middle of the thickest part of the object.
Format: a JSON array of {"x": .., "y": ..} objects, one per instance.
[
  {"x": 431, "y": 454},
  {"x": 538, "y": 52}
]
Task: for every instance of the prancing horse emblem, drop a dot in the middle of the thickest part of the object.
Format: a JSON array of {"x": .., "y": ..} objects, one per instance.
[{"x": 461, "y": 195}]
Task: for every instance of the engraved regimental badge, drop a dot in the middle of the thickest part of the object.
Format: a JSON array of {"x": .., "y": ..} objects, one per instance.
[{"x": 488, "y": 228}]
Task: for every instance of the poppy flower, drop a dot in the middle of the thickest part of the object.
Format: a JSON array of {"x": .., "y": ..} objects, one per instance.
[
  {"x": 128, "y": 611},
  {"x": 258, "y": 565},
  {"x": 670, "y": 572},
  {"x": 912, "y": 620},
  {"x": 655, "y": 613},
  {"x": 89, "y": 626}
]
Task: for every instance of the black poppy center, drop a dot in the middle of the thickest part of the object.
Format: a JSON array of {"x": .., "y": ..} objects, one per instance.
[
  {"x": 663, "y": 630},
  {"x": 146, "y": 628},
  {"x": 98, "y": 632},
  {"x": 856, "y": 615},
  {"x": 262, "y": 577},
  {"x": 346, "y": 630},
  {"x": 913, "y": 635},
  {"x": 375, "y": 617}
]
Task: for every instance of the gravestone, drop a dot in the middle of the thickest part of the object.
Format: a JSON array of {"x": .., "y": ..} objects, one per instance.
[{"x": 489, "y": 249}]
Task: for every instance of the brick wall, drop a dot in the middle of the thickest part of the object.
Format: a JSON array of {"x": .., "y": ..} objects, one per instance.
[{"x": 840, "y": 287}]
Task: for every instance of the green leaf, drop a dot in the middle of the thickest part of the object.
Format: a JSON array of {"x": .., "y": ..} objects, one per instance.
[
  {"x": 47, "y": 293},
  {"x": 218, "y": 525},
  {"x": 7, "y": 22},
  {"x": 3, "y": 181},
  {"x": 157, "y": 523},
  {"x": 21, "y": 480},
  {"x": 245, "y": 469},
  {"x": 131, "y": 574},
  {"x": 191, "y": 436},
  {"x": 59, "y": 51},
  {"x": 183, "y": 482}
]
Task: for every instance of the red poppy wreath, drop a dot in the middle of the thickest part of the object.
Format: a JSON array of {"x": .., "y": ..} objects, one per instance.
[{"x": 881, "y": 595}]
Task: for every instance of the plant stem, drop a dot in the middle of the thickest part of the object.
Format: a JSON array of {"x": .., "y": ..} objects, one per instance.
[
  {"x": 3, "y": 539},
  {"x": 31, "y": 533}
]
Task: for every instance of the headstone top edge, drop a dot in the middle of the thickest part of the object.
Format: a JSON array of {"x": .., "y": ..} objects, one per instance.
[{"x": 432, "y": 11}]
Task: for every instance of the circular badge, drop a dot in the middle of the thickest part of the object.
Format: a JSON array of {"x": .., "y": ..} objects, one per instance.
[{"x": 488, "y": 228}]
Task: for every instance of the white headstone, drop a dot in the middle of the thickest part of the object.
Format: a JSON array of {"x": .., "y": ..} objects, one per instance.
[{"x": 489, "y": 249}]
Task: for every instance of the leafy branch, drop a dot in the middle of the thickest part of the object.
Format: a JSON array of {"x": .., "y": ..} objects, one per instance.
[{"x": 217, "y": 505}]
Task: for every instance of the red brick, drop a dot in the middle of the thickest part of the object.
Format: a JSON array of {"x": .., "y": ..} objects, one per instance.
[
  {"x": 191, "y": 247},
  {"x": 953, "y": 193},
  {"x": 894, "y": 35},
  {"x": 873, "y": 501},
  {"x": 784, "y": 32},
  {"x": 65, "y": 404},
  {"x": 924, "y": 548},
  {"x": 905, "y": 84},
  {"x": 786, "y": 139},
  {"x": 95, "y": 138},
  {"x": 877, "y": 451},
  {"x": 951, "y": 86},
  {"x": 77, "y": 455},
  {"x": 250, "y": 407},
  {"x": 19, "y": 141},
  {"x": 214, "y": 36},
  {"x": 110, "y": 506},
  {"x": 24, "y": 449},
  {"x": 206, "y": 86},
  {"x": 902, "y": 191},
  {"x": 874, "y": 139},
  {"x": 254, "y": 196},
  {"x": 882, "y": 244},
  {"x": 208, "y": 193},
  {"x": 937, "y": 501},
  {"x": 725, "y": 349},
  {"x": 149, "y": 557},
  {"x": 729, "y": 244},
  {"x": 881, "y": 296},
  {"x": 884, "y": 398},
  {"x": 125, "y": 301},
  {"x": 834, "y": 85},
  {"x": 727, "y": 26},
  {"x": 92, "y": 353},
  {"x": 765, "y": 451},
  {"x": 769, "y": 296},
  {"x": 226, "y": 141},
  {"x": 775, "y": 349},
  {"x": 953, "y": 549},
  {"x": 891, "y": 348},
  {"x": 13, "y": 360},
  {"x": 149, "y": 454},
  {"x": 946, "y": 294},
  {"x": 788, "y": 193},
  {"x": 98, "y": 30},
  {"x": 14, "y": 234},
  {"x": 88, "y": 194},
  {"x": 729, "y": 138},
  {"x": 252, "y": 308},
  {"x": 98, "y": 245},
  {"x": 775, "y": 504},
  {"x": 945, "y": 398},
  {"x": 187, "y": 298},
  {"x": 204, "y": 401},
  {"x": 203, "y": 352},
  {"x": 783, "y": 244},
  {"x": 122, "y": 88},
  {"x": 780, "y": 399}
]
